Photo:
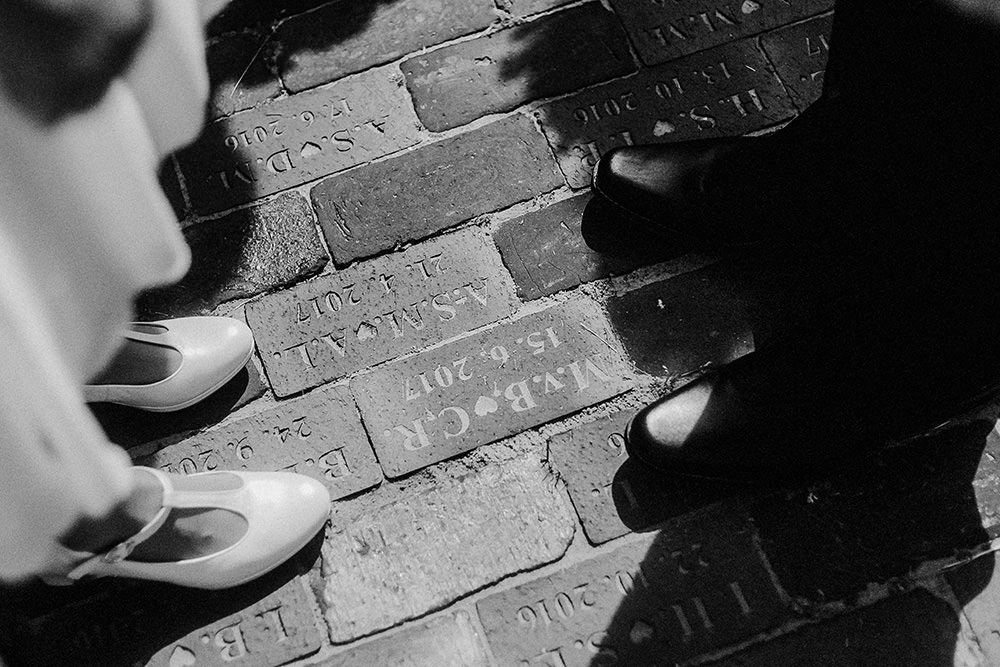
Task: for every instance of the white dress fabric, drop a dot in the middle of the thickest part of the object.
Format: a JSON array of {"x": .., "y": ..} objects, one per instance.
[{"x": 84, "y": 226}]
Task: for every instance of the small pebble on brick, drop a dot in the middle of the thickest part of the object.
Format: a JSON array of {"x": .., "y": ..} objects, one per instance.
[
  {"x": 297, "y": 139},
  {"x": 726, "y": 91},
  {"x": 490, "y": 385},
  {"x": 378, "y": 310},
  {"x": 436, "y": 186},
  {"x": 400, "y": 552},
  {"x": 555, "y": 54},
  {"x": 696, "y": 586},
  {"x": 319, "y": 435}
]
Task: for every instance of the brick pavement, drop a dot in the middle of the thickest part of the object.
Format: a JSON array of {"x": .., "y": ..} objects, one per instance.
[{"x": 390, "y": 193}]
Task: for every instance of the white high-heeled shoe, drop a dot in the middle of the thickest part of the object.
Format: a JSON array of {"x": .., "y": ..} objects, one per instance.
[
  {"x": 283, "y": 511},
  {"x": 212, "y": 350}
]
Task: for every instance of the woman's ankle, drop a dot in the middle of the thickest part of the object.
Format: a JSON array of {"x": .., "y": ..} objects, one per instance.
[{"x": 95, "y": 535}]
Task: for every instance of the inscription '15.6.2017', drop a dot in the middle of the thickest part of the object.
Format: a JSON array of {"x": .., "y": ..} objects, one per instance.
[{"x": 491, "y": 385}]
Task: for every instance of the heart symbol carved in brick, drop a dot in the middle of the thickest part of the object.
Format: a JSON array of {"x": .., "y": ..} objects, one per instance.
[
  {"x": 182, "y": 657},
  {"x": 486, "y": 406}
]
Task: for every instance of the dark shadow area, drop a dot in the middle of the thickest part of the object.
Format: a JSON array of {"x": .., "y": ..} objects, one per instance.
[
  {"x": 128, "y": 427},
  {"x": 120, "y": 623},
  {"x": 880, "y": 207}
]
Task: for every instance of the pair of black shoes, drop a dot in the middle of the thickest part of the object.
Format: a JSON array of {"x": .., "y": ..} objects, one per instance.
[{"x": 896, "y": 236}]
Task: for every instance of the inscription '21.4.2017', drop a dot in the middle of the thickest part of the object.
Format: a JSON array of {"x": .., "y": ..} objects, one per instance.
[
  {"x": 489, "y": 386},
  {"x": 378, "y": 310}
]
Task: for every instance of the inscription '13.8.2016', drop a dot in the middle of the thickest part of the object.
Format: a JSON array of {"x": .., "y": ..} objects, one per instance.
[
  {"x": 288, "y": 142},
  {"x": 490, "y": 385},
  {"x": 379, "y": 310}
]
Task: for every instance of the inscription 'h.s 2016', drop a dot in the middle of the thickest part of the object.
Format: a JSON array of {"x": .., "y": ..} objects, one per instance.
[
  {"x": 288, "y": 142},
  {"x": 697, "y": 586},
  {"x": 723, "y": 91},
  {"x": 378, "y": 310},
  {"x": 489, "y": 386}
]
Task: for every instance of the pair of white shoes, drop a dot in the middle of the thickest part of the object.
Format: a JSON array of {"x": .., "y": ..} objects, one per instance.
[{"x": 281, "y": 511}]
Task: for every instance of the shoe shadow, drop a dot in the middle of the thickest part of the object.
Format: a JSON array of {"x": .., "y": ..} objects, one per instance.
[
  {"x": 708, "y": 581},
  {"x": 119, "y": 623}
]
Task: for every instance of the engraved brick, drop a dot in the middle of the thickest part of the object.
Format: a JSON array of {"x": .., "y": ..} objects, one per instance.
[
  {"x": 242, "y": 254},
  {"x": 297, "y": 139},
  {"x": 489, "y": 386},
  {"x": 662, "y": 31},
  {"x": 883, "y": 514},
  {"x": 437, "y": 186},
  {"x": 499, "y": 72},
  {"x": 450, "y": 641},
  {"x": 319, "y": 435},
  {"x": 528, "y": 7},
  {"x": 406, "y": 550},
  {"x": 675, "y": 326},
  {"x": 725, "y": 91},
  {"x": 378, "y": 310},
  {"x": 545, "y": 251},
  {"x": 695, "y": 587},
  {"x": 613, "y": 494},
  {"x": 344, "y": 37},
  {"x": 127, "y": 426},
  {"x": 977, "y": 587},
  {"x": 799, "y": 53},
  {"x": 168, "y": 626},
  {"x": 915, "y": 629},
  {"x": 239, "y": 75}
]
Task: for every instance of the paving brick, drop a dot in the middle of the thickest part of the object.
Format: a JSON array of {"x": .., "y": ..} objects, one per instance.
[
  {"x": 344, "y": 37},
  {"x": 239, "y": 15},
  {"x": 663, "y": 31},
  {"x": 168, "y": 626},
  {"x": 521, "y": 8},
  {"x": 545, "y": 251},
  {"x": 297, "y": 139},
  {"x": 488, "y": 386},
  {"x": 378, "y": 310},
  {"x": 697, "y": 586},
  {"x": 239, "y": 74},
  {"x": 319, "y": 435},
  {"x": 244, "y": 253},
  {"x": 447, "y": 641},
  {"x": 128, "y": 427},
  {"x": 499, "y": 72},
  {"x": 677, "y": 325},
  {"x": 882, "y": 515},
  {"x": 403, "y": 551},
  {"x": 613, "y": 494},
  {"x": 977, "y": 587},
  {"x": 726, "y": 91},
  {"x": 799, "y": 53},
  {"x": 915, "y": 629},
  {"x": 437, "y": 186}
]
